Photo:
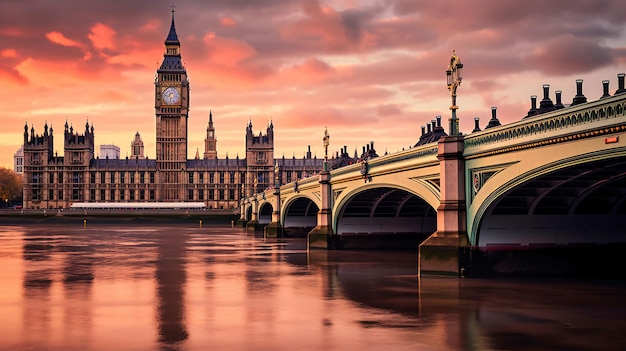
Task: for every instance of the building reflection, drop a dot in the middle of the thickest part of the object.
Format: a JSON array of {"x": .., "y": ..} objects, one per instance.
[
  {"x": 171, "y": 277},
  {"x": 78, "y": 277},
  {"x": 38, "y": 277}
]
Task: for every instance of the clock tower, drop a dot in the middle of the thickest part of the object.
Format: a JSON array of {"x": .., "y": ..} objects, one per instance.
[{"x": 171, "y": 104}]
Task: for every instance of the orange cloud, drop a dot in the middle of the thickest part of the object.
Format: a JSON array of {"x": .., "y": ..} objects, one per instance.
[
  {"x": 228, "y": 22},
  {"x": 60, "y": 39},
  {"x": 12, "y": 76},
  {"x": 8, "y": 53},
  {"x": 102, "y": 36}
]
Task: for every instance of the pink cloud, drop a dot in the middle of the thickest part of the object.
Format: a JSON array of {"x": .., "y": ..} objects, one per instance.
[
  {"x": 388, "y": 110},
  {"x": 60, "y": 39},
  {"x": 228, "y": 22},
  {"x": 311, "y": 71},
  {"x": 227, "y": 51},
  {"x": 567, "y": 54},
  {"x": 321, "y": 27}
]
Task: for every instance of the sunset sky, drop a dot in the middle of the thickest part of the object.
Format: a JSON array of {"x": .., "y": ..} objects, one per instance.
[{"x": 369, "y": 70}]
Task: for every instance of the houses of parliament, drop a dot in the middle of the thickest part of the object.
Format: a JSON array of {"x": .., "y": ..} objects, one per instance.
[{"x": 54, "y": 181}]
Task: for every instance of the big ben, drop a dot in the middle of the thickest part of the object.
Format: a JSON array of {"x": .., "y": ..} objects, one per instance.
[{"x": 171, "y": 105}]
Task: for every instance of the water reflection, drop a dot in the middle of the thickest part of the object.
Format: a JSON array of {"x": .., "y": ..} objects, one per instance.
[
  {"x": 171, "y": 277},
  {"x": 37, "y": 283},
  {"x": 176, "y": 287}
]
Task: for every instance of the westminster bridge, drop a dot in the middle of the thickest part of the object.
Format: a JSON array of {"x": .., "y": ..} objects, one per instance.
[{"x": 554, "y": 180}]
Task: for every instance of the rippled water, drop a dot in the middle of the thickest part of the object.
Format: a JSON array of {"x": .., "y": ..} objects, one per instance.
[{"x": 147, "y": 287}]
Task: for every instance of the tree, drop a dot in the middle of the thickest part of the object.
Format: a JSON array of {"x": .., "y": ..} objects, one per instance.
[{"x": 10, "y": 187}]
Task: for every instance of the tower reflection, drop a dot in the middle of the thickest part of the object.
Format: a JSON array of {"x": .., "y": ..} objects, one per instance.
[{"x": 171, "y": 278}]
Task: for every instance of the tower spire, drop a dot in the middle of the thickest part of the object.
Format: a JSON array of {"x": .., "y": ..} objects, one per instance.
[{"x": 172, "y": 37}]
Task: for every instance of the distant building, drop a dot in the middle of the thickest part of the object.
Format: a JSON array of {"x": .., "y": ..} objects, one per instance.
[
  {"x": 109, "y": 151},
  {"x": 18, "y": 160},
  {"x": 52, "y": 181}
]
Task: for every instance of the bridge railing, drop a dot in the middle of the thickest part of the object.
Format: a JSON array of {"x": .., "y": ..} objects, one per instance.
[
  {"x": 412, "y": 158},
  {"x": 556, "y": 126},
  {"x": 416, "y": 157}
]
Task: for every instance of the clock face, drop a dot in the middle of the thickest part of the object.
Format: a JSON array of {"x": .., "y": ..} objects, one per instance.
[{"x": 171, "y": 96}]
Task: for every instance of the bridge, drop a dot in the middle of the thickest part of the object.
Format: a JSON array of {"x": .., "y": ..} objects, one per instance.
[{"x": 555, "y": 180}]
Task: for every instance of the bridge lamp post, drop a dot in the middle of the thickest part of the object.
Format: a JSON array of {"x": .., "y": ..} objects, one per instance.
[
  {"x": 326, "y": 141},
  {"x": 454, "y": 73}
]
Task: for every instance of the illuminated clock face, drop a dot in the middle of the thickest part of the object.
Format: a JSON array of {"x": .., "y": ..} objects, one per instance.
[{"x": 171, "y": 96}]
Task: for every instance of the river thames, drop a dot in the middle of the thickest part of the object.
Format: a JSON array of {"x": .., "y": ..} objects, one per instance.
[{"x": 180, "y": 286}]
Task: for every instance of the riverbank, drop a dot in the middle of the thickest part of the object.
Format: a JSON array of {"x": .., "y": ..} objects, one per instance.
[{"x": 196, "y": 217}]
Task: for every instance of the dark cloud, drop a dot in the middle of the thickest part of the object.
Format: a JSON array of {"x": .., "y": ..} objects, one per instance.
[{"x": 569, "y": 55}]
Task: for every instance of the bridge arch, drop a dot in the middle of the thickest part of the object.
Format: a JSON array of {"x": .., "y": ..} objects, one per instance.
[
  {"x": 386, "y": 211},
  {"x": 247, "y": 211},
  {"x": 265, "y": 212},
  {"x": 299, "y": 215},
  {"x": 577, "y": 199}
]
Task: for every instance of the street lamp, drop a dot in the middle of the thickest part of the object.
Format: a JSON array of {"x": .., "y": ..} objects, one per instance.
[
  {"x": 326, "y": 141},
  {"x": 454, "y": 73}
]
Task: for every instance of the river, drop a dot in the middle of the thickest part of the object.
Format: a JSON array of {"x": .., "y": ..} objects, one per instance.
[{"x": 150, "y": 286}]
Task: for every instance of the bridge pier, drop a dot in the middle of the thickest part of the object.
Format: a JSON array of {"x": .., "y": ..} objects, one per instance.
[
  {"x": 241, "y": 222},
  {"x": 446, "y": 251},
  {"x": 274, "y": 229},
  {"x": 321, "y": 237},
  {"x": 254, "y": 220}
]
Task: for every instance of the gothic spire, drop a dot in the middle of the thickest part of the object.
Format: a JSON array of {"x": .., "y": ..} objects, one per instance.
[{"x": 172, "y": 37}]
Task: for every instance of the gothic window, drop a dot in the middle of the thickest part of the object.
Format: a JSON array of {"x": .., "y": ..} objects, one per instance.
[
  {"x": 232, "y": 177},
  {"x": 92, "y": 177},
  {"x": 122, "y": 194},
  {"x": 103, "y": 194},
  {"x": 112, "y": 195},
  {"x": 142, "y": 194},
  {"x": 51, "y": 194},
  {"x": 112, "y": 175},
  {"x": 231, "y": 194},
  {"x": 142, "y": 177},
  {"x": 132, "y": 195},
  {"x": 201, "y": 194},
  {"x": 122, "y": 178},
  {"x": 221, "y": 194},
  {"x": 131, "y": 176},
  {"x": 103, "y": 177},
  {"x": 75, "y": 178},
  {"x": 201, "y": 178},
  {"x": 151, "y": 177},
  {"x": 221, "y": 177},
  {"x": 190, "y": 194},
  {"x": 151, "y": 194},
  {"x": 60, "y": 194},
  {"x": 51, "y": 179},
  {"x": 190, "y": 177},
  {"x": 60, "y": 179},
  {"x": 92, "y": 194},
  {"x": 211, "y": 178},
  {"x": 75, "y": 194}
]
